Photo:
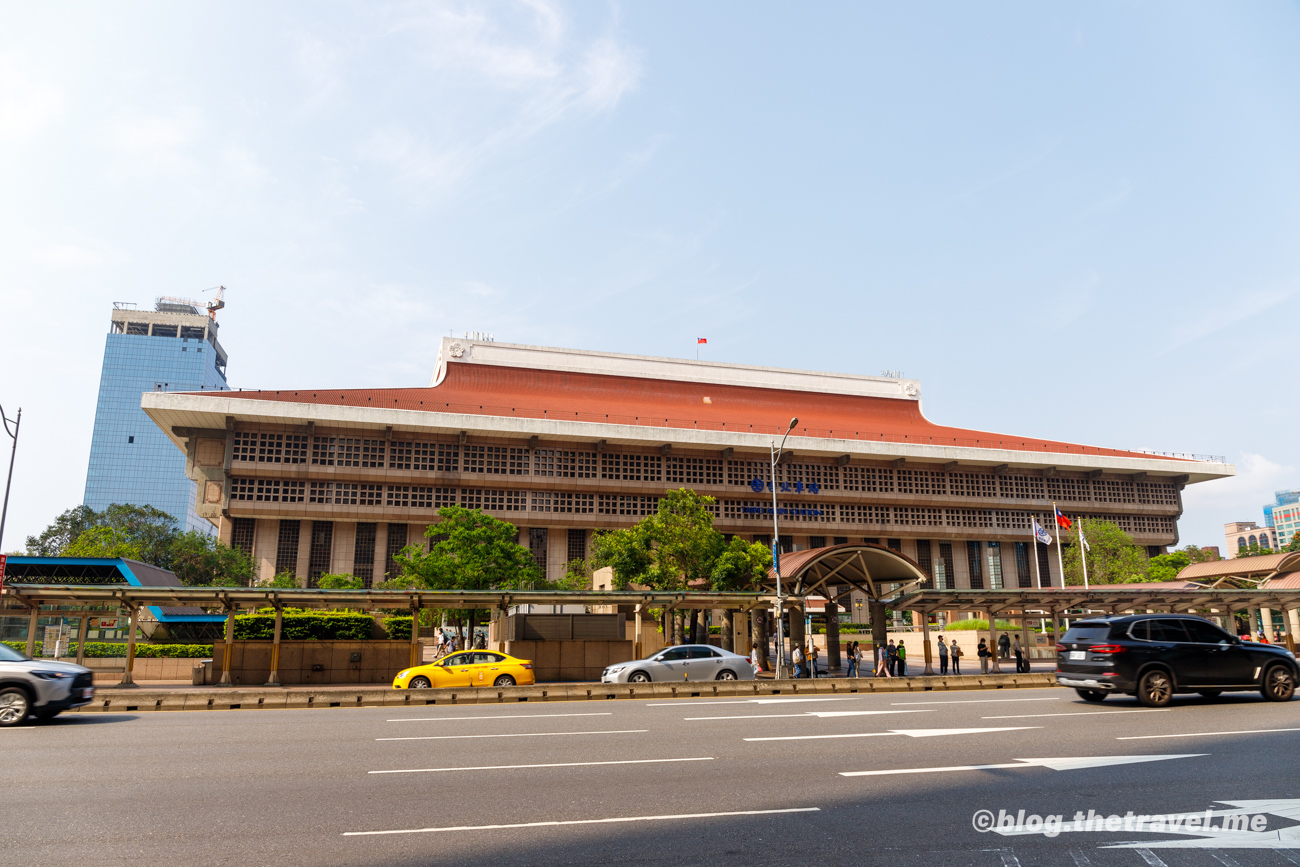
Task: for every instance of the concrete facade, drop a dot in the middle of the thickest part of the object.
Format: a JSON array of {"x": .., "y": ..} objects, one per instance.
[{"x": 263, "y": 461}]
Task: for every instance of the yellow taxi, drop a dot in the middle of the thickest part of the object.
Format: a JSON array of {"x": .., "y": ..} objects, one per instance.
[{"x": 468, "y": 668}]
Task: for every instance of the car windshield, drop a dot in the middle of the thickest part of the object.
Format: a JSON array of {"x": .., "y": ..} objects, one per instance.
[
  {"x": 1086, "y": 632},
  {"x": 8, "y": 654}
]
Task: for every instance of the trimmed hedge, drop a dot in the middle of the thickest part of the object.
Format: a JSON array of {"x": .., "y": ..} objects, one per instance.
[
  {"x": 306, "y": 627},
  {"x": 105, "y": 650},
  {"x": 398, "y": 627}
]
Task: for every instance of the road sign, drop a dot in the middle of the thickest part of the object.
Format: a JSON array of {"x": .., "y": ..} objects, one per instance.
[{"x": 4, "y": 561}]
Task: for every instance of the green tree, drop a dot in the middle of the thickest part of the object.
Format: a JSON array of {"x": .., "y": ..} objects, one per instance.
[
  {"x": 629, "y": 552},
  {"x": 1165, "y": 567},
  {"x": 200, "y": 560},
  {"x": 577, "y": 576},
  {"x": 1294, "y": 544},
  {"x": 741, "y": 566},
  {"x": 336, "y": 581},
  {"x": 1254, "y": 551},
  {"x": 1113, "y": 558},
  {"x": 285, "y": 581},
  {"x": 65, "y": 529},
  {"x": 103, "y": 542}
]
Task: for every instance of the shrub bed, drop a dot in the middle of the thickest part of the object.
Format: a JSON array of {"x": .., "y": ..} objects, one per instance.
[
  {"x": 306, "y": 627},
  {"x": 106, "y": 650},
  {"x": 398, "y": 627}
]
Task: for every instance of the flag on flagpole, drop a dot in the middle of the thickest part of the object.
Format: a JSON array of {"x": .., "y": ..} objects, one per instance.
[
  {"x": 1061, "y": 521},
  {"x": 1082, "y": 539},
  {"x": 701, "y": 340},
  {"x": 1040, "y": 534}
]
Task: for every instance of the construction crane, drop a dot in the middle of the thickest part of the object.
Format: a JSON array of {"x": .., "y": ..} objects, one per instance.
[{"x": 218, "y": 301}]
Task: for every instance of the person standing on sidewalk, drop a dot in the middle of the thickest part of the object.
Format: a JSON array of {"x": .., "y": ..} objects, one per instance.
[
  {"x": 753, "y": 660},
  {"x": 1020, "y": 655},
  {"x": 853, "y": 660},
  {"x": 882, "y": 662},
  {"x": 943, "y": 656},
  {"x": 797, "y": 659},
  {"x": 812, "y": 659},
  {"x": 902, "y": 659},
  {"x": 956, "y": 657},
  {"x": 1004, "y": 645},
  {"x": 893, "y": 658},
  {"x": 983, "y": 653}
]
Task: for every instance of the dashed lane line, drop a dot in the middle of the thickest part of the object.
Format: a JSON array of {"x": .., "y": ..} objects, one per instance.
[
  {"x": 1080, "y": 713},
  {"x": 516, "y": 735},
  {"x": 557, "y": 824},
  {"x": 510, "y": 716},
  {"x": 823, "y": 714},
  {"x": 1206, "y": 734},
  {"x": 975, "y": 701},
  {"x": 911, "y": 733},
  {"x": 548, "y": 765}
]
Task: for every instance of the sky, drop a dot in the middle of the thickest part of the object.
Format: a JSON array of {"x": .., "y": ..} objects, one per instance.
[{"x": 1074, "y": 220}]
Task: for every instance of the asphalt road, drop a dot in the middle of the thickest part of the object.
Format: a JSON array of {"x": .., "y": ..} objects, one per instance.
[{"x": 698, "y": 781}]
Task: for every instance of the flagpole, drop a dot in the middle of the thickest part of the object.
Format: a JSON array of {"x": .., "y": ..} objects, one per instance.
[
  {"x": 1060, "y": 561},
  {"x": 1083, "y": 552}
]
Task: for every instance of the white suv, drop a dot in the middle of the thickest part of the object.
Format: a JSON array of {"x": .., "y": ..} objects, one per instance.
[{"x": 39, "y": 687}]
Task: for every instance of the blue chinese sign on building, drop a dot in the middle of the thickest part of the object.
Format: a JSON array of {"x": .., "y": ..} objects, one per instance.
[{"x": 758, "y": 486}]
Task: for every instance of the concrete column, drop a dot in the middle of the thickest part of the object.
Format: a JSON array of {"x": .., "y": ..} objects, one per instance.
[
  {"x": 227, "y": 652},
  {"x": 797, "y": 634},
  {"x": 415, "y": 636},
  {"x": 879, "y": 629},
  {"x": 274, "y": 678},
  {"x": 728, "y": 630},
  {"x": 31, "y": 630},
  {"x": 303, "y": 564},
  {"x": 81, "y": 638},
  {"x": 1266, "y": 622},
  {"x": 925, "y": 643},
  {"x": 381, "y": 551},
  {"x": 994, "y": 668},
  {"x": 1024, "y": 636},
  {"x": 1286, "y": 630},
  {"x": 740, "y": 622},
  {"x": 127, "y": 679},
  {"x": 636, "y": 636},
  {"x": 833, "y": 661}
]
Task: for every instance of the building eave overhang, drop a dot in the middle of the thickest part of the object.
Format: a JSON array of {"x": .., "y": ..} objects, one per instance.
[{"x": 177, "y": 413}]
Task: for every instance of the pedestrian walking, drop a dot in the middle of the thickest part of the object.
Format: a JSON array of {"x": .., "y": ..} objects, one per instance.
[
  {"x": 855, "y": 660},
  {"x": 754, "y": 661},
  {"x": 943, "y": 656},
  {"x": 893, "y": 658},
  {"x": 882, "y": 662},
  {"x": 955, "y": 653},
  {"x": 1021, "y": 667},
  {"x": 1004, "y": 645},
  {"x": 983, "y": 653},
  {"x": 902, "y": 659},
  {"x": 797, "y": 657},
  {"x": 813, "y": 654}
]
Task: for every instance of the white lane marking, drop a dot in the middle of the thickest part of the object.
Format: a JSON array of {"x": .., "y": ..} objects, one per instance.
[
  {"x": 1150, "y": 857},
  {"x": 585, "y": 822},
  {"x": 517, "y": 735},
  {"x": 511, "y": 716},
  {"x": 816, "y": 713},
  {"x": 1080, "y": 713},
  {"x": 1225, "y": 860},
  {"x": 975, "y": 701},
  {"x": 759, "y": 701},
  {"x": 911, "y": 733},
  {"x": 1061, "y": 764},
  {"x": 550, "y": 765},
  {"x": 1206, "y": 734}
]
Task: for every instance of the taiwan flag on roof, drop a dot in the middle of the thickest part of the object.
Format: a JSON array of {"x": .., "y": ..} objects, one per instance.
[
  {"x": 701, "y": 340},
  {"x": 1061, "y": 520}
]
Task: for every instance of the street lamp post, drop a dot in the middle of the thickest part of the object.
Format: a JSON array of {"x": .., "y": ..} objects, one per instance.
[
  {"x": 4, "y": 513},
  {"x": 776, "y": 558}
]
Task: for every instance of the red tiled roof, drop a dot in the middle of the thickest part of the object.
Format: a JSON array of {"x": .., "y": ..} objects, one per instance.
[{"x": 490, "y": 390}]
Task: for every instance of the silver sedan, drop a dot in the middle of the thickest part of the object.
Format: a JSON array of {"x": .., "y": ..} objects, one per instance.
[{"x": 681, "y": 663}]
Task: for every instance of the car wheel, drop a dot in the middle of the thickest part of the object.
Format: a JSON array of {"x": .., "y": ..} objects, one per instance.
[
  {"x": 1210, "y": 693},
  {"x": 726, "y": 674},
  {"x": 1093, "y": 695},
  {"x": 1155, "y": 689},
  {"x": 638, "y": 677},
  {"x": 420, "y": 683},
  {"x": 15, "y": 706},
  {"x": 1279, "y": 684},
  {"x": 505, "y": 680}
]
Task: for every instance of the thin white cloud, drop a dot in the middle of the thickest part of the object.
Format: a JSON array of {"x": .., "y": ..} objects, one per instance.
[
  {"x": 1236, "y": 308},
  {"x": 1239, "y": 498}
]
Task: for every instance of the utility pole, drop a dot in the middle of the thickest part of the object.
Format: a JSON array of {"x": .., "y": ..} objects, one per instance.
[
  {"x": 12, "y": 455},
  {"x": 776, "y": 558}
]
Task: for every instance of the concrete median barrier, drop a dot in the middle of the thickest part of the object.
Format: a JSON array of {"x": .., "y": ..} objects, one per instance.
[{"x": 280, "y": 698}]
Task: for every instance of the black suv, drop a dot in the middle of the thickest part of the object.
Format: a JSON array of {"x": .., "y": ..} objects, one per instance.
[{"x": 1153, "y": 656}]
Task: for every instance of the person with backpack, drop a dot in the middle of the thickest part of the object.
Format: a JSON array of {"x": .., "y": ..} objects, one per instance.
[
  {"x": 893, "y": 658},
  {"x": 983, "y": 653},
  {"x": 956, "y": 657},
  {"x": 943, "y": 656},
  {"x": 902, "y": 659},
  {"x": 797, "y": 658},
  {"x": 882, "y": 662},
  {"x": 1004, "y": 646}
]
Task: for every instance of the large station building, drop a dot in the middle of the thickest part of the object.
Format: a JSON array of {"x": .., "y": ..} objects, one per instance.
[{"x": 564, "y": 442}]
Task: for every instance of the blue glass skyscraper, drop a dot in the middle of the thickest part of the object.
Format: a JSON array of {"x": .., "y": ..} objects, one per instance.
[{"x": 172, "y": 348}]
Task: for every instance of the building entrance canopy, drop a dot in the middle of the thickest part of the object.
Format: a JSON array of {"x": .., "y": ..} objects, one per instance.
[{"x": 877, "y": 571}]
